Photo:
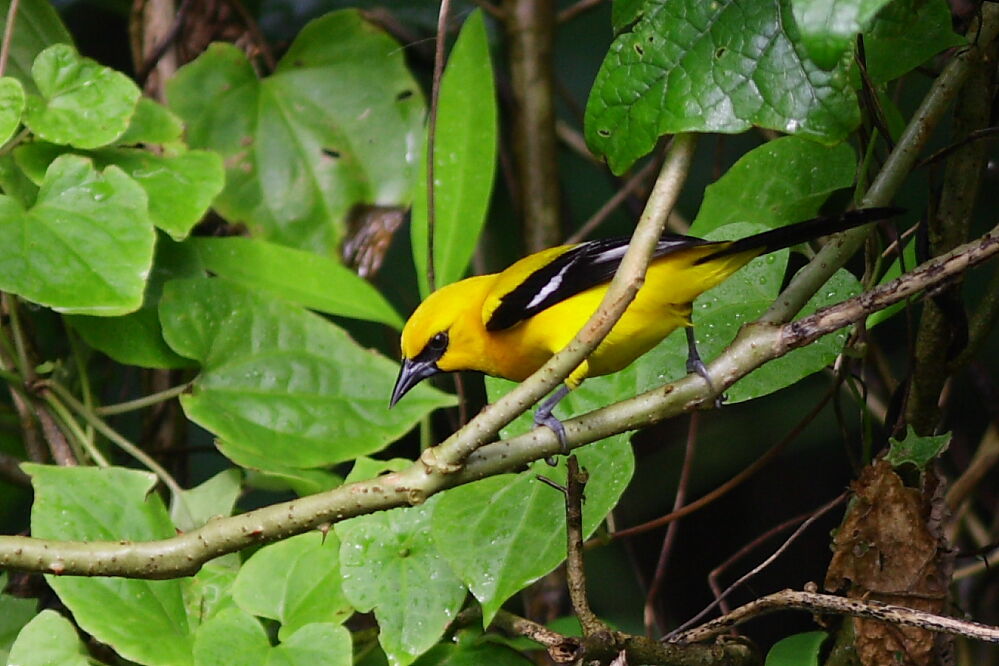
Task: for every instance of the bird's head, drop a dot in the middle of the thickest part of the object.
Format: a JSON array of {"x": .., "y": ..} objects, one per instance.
[{"x": 444, "y": 334}]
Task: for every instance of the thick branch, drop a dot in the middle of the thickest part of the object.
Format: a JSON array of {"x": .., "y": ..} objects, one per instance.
[
  {"x": 184, "y": 554},
  {"x": 826, "y": 603}
]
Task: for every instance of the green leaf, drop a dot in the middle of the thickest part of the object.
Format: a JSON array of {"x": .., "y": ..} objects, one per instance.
[
  {"x": 137, "y": 338},
  {"x": 390, "y": 565},
  {"x": 11, "y": 107},
  {"x": 152, "y": 123},
  {"x": 279, "y": 385},
  {"x": 502, "y": 533},
  {"x": 231, "y": 632},
  {"x": 719, "y": 314},
  {"x": 82, "y": 103},
  {"x": 113, "y": 504},
  {"x": 368, "y": 468},
  {"x": 915, "y": 449},
  {"x": 305, "y": 278},
  {"x": 782, "y": 181},
  {"x": 85, "y": 247},
  {"x": 464, "y": 160},
  {"x": 36, "y": 27},
  {"x": 15, "y": 184},
  {"x": 209, "y": 592},
  {"x": 326, "y": 644},
  {"x": 214, "y": 498},
  {"x": 687, "y": 65},
  {"x": 180, "y": 187},
  {"x": 48, "y": 639},
  {"x": 14, "y": 614},
  {"x": 828, "y": 27},
  {"x": 300, "y": 481},
  {"x": 471, "y": 654},
  {"x": 336, "y": 125},
  {"x": 295, "y": 581},
  {"x": 907, "y": 34},
  {"x": 797, "y": 650}
]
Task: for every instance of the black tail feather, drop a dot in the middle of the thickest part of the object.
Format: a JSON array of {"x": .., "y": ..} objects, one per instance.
[{"x": 800, "y": 232}]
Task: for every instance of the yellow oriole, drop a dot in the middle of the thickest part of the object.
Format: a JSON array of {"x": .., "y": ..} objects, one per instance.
[{"x": 508, "y": 324}]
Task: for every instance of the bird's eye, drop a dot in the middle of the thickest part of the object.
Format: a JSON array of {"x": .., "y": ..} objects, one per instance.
[{"x": 438, "y": 342}]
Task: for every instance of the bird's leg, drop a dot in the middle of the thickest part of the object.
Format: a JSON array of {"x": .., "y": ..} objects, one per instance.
[
  {"x": 695, "y": 364},
  {"x": 544, "y": 417}
]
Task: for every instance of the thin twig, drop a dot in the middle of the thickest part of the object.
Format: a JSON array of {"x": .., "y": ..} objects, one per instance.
[
  {"x": 827, "y": 603},
  {"x": 75, "y": 430},
  {"x": 724, "y": 488},
  {"x": 62, "y": 454},
  {"x": 715, "y": 573},
  {"x": 120, "y": 441},
  {"x": 676, "y": 634},
  {"x": 652, "y": 627},
  {"x": 974, "y": 135},
  {"x": 435, "y": 94},
  {"x": 8, "y": 35},
  {"x": 626, "y": 190},
  {"x": 575, "y": 571},
  {"x": 575, "y": 10}
]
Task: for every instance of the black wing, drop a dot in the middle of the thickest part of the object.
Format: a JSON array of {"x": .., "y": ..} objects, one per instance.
[{"x": 572, "y": 272}]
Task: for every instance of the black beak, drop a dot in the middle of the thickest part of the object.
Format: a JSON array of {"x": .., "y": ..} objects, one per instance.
[{"x": 413, "y": 372}]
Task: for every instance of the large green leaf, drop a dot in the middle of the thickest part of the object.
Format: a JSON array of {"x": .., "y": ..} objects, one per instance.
[
  {"x": 86, "y": 246},
  {"x": 36, "y": 27},
  {"x": 279, "y": 385},
  {"x": 828, "y": 27},
  {"x": 905, "y": 35},
  {"x": 295, "y": 581},
  {"x": 113, "y": 504},
  {"x": 779, "y": 182},
  {"x": 48, "y": 639},
  {"x": 317, "y": 282},
  {"x": 137, "y": 338},
  {"x": 390, "y": 565},
  {"x": 723, "y": 66},
  {"x": 335, "y": 125},
  {"x": 464, "y": 160},
  {"x": 81, "y": 103},
  {"x": 504, "y": 532}
]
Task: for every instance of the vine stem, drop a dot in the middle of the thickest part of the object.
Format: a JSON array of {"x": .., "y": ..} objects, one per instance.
[
  {"x": 144, "y": 401},
  {"x": 121, "y": 442}
]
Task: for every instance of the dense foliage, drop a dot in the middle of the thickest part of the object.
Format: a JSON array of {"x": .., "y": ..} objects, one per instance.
[{"x": 204, "y": 267}]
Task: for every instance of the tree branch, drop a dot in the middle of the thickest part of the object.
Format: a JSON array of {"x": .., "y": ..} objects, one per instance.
[
  {"x": 827, "y": 603},
  {"x": 756, "y": 344}
]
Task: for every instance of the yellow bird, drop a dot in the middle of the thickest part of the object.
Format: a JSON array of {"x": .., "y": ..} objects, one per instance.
[{"x": 509, "y": 324}]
